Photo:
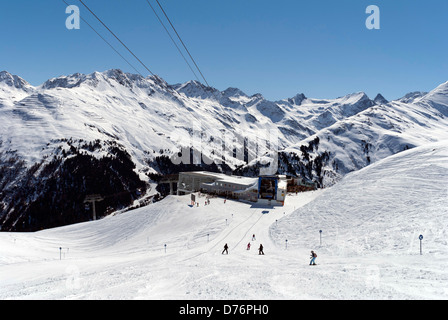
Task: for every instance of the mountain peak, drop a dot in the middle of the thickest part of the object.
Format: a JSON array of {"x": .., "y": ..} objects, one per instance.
[
  {"x": 257, "y": 96},
  {"x": 442, "y": 88},
  {"x": 14, "y": 81},
  {"x": 379, "y": 99},
  {"x": 412, "y": 96},
  {"x": 92, "y": 79},
  {"x": 354, "y": 98},
  {"x": 438, "y": 98},
  {"x": 297, "y": 99},
  {"x": 121, "y": 77},
  {"x": 195, "y": 89},
  {"x": 68, "y": 82},
  {"x": 233, "y": 92}
]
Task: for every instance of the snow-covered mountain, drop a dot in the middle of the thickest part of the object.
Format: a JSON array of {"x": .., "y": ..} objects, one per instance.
[
  {"x": 141, "y": 113},
  {"x": 376, "y": 133},
  {"x": 78, "y": 133}
]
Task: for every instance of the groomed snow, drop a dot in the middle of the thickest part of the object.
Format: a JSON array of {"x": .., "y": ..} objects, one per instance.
[{"x": 371, "y": 221}]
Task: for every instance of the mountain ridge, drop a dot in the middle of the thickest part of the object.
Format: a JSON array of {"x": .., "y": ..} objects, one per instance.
[{"x": 109, "y": 115}]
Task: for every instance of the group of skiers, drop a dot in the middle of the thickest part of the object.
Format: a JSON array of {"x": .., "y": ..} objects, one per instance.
[
  {"x": 260, "y": 248},
  {"x": 261, "y": 252},
  {"x": 207, "y": 202}
]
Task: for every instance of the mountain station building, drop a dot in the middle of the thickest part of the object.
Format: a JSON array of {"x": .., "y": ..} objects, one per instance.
[{"x": 269, "y": 190}]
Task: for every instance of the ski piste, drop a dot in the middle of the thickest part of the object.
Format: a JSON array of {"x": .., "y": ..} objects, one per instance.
[{"x": 123, "y": 256}]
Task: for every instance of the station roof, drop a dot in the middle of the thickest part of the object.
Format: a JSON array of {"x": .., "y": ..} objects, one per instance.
[{"x": 223, "y": 177}]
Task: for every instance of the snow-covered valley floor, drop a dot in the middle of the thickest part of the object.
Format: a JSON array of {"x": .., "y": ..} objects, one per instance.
[{"x": 370, "y": 224}]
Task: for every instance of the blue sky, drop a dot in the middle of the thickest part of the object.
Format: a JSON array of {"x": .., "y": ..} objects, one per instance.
[{"x": 276, "y": 48}]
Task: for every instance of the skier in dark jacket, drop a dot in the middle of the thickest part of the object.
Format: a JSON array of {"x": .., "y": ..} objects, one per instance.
[
  {"x": 313, "y": 258},
  {"x": 260, "y": 249},
  {"x": 225, "y": 249}
]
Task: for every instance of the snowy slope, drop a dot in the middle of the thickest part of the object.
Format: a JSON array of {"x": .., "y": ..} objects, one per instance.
[
  {"x": 370, "y": 249},
  {"x": 371, "y": 221},
  {"x": 380, "y": 208},
  {"x": 124, "y": 256}
]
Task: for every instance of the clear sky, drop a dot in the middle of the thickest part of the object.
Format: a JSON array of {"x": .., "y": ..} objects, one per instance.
[{"x": 277, "y": 48}]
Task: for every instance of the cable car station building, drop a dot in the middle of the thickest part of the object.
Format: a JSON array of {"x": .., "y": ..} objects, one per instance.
[{"x": 268, "y": 190}]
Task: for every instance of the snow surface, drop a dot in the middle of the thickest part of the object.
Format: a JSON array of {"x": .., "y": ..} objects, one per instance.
[{"x": 371, "y": 221}]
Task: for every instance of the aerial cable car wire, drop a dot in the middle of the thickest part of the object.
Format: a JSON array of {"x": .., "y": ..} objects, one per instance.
[
  {"x": 183, "y": 44},
  {"x": 107, "y": 42},
  {"x": 191, "y": 57},
  {"x": 116, "y": 37},
  {"x": 174, "y": 42},
  {"x": 133, "y": 54}
]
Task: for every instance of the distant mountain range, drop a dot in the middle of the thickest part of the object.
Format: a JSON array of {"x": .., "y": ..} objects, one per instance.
[{"x": 114, "y": 133}]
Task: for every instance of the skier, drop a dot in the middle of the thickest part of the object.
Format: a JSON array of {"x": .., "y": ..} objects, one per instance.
[
  {"x": 260, "y": 250},
  {"x": 253, "y": 237},
  {"x": 248, "y": 246},
  {"x": 225, "y": 249},
  {"x": 313, "y": 258}
]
